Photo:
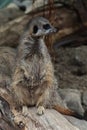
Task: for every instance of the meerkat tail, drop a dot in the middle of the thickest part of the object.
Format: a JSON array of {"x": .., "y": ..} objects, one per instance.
[
  {"x": 64, "y": 111},
  {"x": 68, "y": 112}
]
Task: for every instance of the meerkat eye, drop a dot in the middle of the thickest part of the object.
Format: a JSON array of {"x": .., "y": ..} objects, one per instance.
[
  {"x": 35, "y": 29},
  {"x": 46, "y": 26}
]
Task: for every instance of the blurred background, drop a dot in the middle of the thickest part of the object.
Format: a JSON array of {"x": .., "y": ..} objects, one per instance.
[{"x": 68, "y": 47}]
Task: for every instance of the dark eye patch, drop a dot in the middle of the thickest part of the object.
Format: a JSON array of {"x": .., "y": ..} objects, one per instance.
[
  {"x": 46, "y": 26},
  {"x": 35, "y": 29}
]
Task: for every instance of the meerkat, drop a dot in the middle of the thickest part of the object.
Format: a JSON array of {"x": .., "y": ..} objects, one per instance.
[{"x": 34, "y": 82}]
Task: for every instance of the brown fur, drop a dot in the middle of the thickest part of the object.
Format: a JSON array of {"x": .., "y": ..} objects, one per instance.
[
  {"x": 33, "y": 78},
  {"x": 34, "y": 83}
]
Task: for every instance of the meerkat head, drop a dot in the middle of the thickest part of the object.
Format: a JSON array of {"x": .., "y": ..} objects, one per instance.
[{"x": 40, "y": 26}]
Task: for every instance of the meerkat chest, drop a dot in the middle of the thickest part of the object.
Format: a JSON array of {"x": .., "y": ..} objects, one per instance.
[
  {"x": 36, "y": 73},
  {"x": 35, "y": 70}
]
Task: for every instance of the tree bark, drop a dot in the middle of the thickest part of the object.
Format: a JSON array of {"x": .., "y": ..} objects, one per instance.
[{"x": 51, "y": 120}]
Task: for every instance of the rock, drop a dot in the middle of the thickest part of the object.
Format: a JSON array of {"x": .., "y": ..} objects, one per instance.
[
  {"x": 7, "y": 64},
  {"x": 7, "y": 126},
  {"x": 5, "y": 111},
  {"x": 72, "y": 99},
  {"x": 9, "y": 14},
  {"x": 71, "y": 67},
  {"x": 24, "y": 4},
  {"x": 81, "y": 124},
  {"x": 6, "y": 116},
  {"x": 29, "y": 5},
  {"x": 12, "y": 5},
  {"x": 84, "y": 98},
  {"x": 79, "y": 61}
]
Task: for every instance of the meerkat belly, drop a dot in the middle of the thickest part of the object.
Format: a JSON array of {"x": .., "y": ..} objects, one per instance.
[{"x": 35, "y": 77}]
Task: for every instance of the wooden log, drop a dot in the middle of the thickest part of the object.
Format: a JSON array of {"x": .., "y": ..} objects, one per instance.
[
  {"x": 51, "y": 120},
  {"x": 6, "y": 126}
]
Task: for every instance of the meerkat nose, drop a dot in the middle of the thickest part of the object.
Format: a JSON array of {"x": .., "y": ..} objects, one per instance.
[{"x": 54, "y": 29}]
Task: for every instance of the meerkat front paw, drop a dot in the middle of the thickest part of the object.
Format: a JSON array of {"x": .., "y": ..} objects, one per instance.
[
  {"x": 25, "y": 110},
  {"x": 40, "y": 110}
]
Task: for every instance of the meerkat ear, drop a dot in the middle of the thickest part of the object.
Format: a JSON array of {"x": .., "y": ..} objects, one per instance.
[{"x": 35, "y": 29}]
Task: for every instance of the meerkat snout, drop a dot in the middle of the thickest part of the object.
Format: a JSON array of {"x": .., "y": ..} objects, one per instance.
[{"x": 43, "y": 30}]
